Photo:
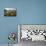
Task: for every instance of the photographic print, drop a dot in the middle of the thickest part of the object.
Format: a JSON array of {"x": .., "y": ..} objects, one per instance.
[{"x": 9, "y": 12}]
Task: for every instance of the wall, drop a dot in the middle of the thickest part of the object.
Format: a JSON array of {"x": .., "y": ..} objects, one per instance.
[{"x": 28, "y": 12}]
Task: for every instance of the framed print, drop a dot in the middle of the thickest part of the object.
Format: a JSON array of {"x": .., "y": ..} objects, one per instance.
[{"x": 9, "y": 12}]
